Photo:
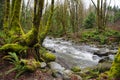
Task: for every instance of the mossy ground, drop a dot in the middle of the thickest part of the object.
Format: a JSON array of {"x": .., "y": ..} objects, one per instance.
[{"x": 92, "y": 36}]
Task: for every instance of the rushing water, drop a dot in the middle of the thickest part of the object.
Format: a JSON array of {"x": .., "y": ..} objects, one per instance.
[{"x": 69, "y": 54}]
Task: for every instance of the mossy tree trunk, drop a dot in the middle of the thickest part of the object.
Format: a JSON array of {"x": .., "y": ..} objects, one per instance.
[
  {"x": 101, "y": 14},
  {"x": 6, "y": 15},
  {"x": 43, "y": 33},
  {"x": 2, "y": 12},
  {"x": 15, "y": 27},
  {"x": 34, "y": 38}
]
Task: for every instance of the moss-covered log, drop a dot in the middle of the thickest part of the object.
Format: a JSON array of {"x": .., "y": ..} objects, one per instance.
[{"x": 114, "y": 72}]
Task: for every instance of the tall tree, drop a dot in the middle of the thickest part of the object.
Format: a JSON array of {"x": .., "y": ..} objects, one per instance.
[
  {"x": 15, "y": 27},
  {"x": 101, "y": 13},
  {"x": 76, "y": 8},
  {"x": 35, "y": 36},
  {"x": 2, "y": 12},
  {"x": 6, "y": 15}
]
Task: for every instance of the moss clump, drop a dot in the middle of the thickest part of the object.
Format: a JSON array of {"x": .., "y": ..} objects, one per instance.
[
  {"x": 13, "y": 47},
  {"x": 48, "y": 57},
  {"x": 76, "y": 69},
  {"x": 30, "y": 64},
  {"x": 115, "y": 69},
  {"x": 29, "y": 39}
]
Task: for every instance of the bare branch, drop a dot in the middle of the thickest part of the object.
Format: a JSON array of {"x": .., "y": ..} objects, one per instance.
[{"x": 94, "y": 4}]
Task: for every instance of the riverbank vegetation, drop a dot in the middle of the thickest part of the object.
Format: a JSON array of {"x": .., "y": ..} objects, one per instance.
[{"x": 25, "y": 24}]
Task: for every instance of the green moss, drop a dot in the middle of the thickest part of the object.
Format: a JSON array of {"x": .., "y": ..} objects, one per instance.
[
  {"x": 30, "y": 64},
  {"x": 49, "y": 57},
  {"x": 76, "y": 69},
  {"x": 30, "y": 38},
  {"x": 115, "y": 69},
  {"x": 12, "y": 47}
]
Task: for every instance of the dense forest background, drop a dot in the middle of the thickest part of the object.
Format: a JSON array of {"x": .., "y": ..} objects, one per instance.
[{"x": 25, "y": 25}]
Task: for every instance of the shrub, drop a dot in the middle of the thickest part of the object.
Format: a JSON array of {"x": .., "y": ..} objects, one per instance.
[{"x": 89, "y": 21}]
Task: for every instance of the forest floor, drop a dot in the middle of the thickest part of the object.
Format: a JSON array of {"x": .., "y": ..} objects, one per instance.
[{"x": 36, "y": 75}]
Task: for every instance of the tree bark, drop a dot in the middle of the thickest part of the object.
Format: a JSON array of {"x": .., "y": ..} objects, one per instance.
[
  {"x": 2, "y": 3},
  {"x": 6, "y": 15}
]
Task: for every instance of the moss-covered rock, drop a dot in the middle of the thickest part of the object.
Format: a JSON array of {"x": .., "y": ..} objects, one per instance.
[
  {"x": 48, "y": 57},
  {"x": 115, "y": 69},
  {"x": 76, "y": 69},
  {"x": 13, "y": 47}
]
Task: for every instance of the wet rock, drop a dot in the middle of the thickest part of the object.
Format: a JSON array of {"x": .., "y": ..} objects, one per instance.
[
  {"x": 111, "y": 57},
  {"x": 56, "y": 66},
  {"x": 68, "y": 72},
  {"x": 57, "y": 74},
  {"x": 95, "y": 57},
  {"x": 43, "y": 64},
  {"x": 105, "y": 59},
  {"x": 113, "y": 51},
  {"x": 102, "y": 52}
]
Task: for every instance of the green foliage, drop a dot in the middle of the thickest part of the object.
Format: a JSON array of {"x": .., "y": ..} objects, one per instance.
[
  {"x": 76, "y": 69},
  {"x": 5, "y": 38},
  {"x": 89, "y": 21},
  {"x": 117, "y": 16},
  {"x": 102, "y": 38},
  {"x": 30, "y": 65},
  {"x": 13, "y": 47},
  {"x": 13, "y": 58},
  {"x": 115, "y": 69},
  {"x": 21, "y": 66}
]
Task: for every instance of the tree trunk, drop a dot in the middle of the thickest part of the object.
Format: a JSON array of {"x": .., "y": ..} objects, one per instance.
[
  {"x": 6, "y": 15},
  {"x": 2, "y": 2},
  {"x": 15, "y": 27},
  {"x": 34, "y": 38}
]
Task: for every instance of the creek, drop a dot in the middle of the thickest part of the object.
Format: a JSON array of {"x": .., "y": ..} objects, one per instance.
[{"x": 70, "y": 54}]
